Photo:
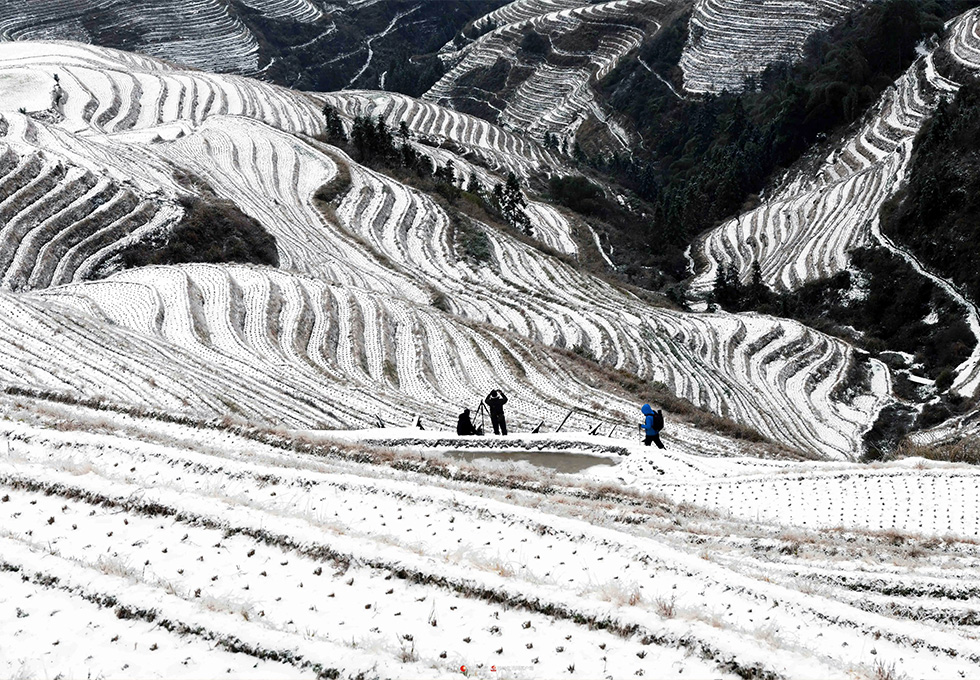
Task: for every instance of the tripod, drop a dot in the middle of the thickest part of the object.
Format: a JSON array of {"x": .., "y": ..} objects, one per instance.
[{"x": 481, "y": 411}]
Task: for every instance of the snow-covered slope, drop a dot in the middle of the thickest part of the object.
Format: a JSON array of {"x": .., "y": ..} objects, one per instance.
[
  {"x": 392, "y": 248},
  {"x": 205, "y": 34},
  {"x": 62, "y": 223},
  {"x": 103, "y": 90},
  {"x": 733, "y": 41},
  {"x": 211, "y": 553},
  {"x": 547, "y": 89},
  {"x": 496, "y": 148},
  {"x": 349, "y": 353},
  {"x": 177, "y": 501},
  {"x": 474, "y": 147},
  {"x": 806, "y": 229}
]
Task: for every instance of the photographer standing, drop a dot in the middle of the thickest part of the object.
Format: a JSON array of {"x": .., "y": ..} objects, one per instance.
[{"x": 495, "y": 404}]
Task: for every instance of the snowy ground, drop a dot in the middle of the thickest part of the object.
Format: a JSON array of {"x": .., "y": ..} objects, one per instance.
[
  {"x": 352, "y": 298},
  {"x": 138, "y": 548}
]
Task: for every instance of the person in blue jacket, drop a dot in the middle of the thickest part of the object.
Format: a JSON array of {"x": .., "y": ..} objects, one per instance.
[{"x": 653, "y": 423}]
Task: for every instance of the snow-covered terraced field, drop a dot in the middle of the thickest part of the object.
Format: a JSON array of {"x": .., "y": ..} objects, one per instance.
[
  {"x": 930, "y": 500},
  {"x": 466, "y": 137},
  {"x": 497, "y": 149},
  {"x": 390, "y": 243},
  {"x": 522, "y": 10},
  {"x": 807, "y": 228},
  {"x": 721, "y": 361},
  {"x": 964, "y": 43},
  {"x": 552, "y": 94},
  {"x": 169, "y": 540},
  {"x": 108, "y": 91},
  {"x": 350, "y": 354},
  {"x": 62, "y": 223},
  {"x": 733, "y": 41},
  {"x": 273, "y": 177},
  {"x": 177, "y": 498},
  {"x": 205, "y": 34}
]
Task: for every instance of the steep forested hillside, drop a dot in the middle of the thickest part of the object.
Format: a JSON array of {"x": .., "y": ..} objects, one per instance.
[
  {"x": 937, "y": 214},
  {"x": 706, "y": 156}
]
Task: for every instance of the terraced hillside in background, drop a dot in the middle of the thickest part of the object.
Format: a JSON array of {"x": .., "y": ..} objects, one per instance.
[
  {"x": 807, "y": 228},
  {"x": 533, "y": 67},
  {"x": 205, "y": 34},
  {"x": 312, "y": 44},
  {"x": 393, "y": 251},
  {"x": 732, "y": 42}
]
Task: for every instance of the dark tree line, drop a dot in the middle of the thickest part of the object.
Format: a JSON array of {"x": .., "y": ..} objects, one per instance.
[{"x": 732, "y": 294}]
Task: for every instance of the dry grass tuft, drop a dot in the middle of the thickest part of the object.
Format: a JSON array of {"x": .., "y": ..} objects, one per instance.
[
  {"x": 621, "y": 594},
  {"x": 666, "y": 608},
  {"x": 962, "y": 451},
  {"x": 883, "y": 671}
]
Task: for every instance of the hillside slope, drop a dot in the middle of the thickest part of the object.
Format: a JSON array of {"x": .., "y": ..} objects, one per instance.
[
  {"x": 303, "y": 43},
  {"x": 732, "y": 42},
  {"x": 534, "y": 69},
  {"x": 160, "y": 548},
  {"x": 806, "y": 229},
  {"x": 203, "y": 34},
  {"x": 384, "y": 239}
]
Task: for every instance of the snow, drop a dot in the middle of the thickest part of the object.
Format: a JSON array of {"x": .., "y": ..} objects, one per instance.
[
  {"x": 364, "y": 268},
  {"x": 205, "y": 514},
  {"x": 206, "y": 34},
  {"x": 313, "y": 556},
  {"x": 808, "y": 229},
  {"x": 734, "y": 41},
  {"x": 27, "y": 89}
]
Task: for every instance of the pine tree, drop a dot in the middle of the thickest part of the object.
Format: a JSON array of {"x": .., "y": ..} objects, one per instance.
[
  {"x": 758, "y": 292},
  {"x": 512, "y": 204},
  {"x": 757, "y": 276},
  {"x": 362, "y": 136},
  {"x": 474, "y": 186},
  {"x": 335, "y": 126}
]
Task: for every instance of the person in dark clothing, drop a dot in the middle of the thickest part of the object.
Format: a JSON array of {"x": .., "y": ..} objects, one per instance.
[
  {"x": 464, "y": 426},
  {"x": 495, "y": 404},
  {"x": 653, "y": 423}
]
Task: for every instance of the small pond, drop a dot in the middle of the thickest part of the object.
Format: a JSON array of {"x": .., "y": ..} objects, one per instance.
[{"x": 562, "y": 461}]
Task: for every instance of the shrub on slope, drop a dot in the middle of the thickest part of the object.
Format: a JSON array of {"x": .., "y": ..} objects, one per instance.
[{"x": 212, "y": 230}]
